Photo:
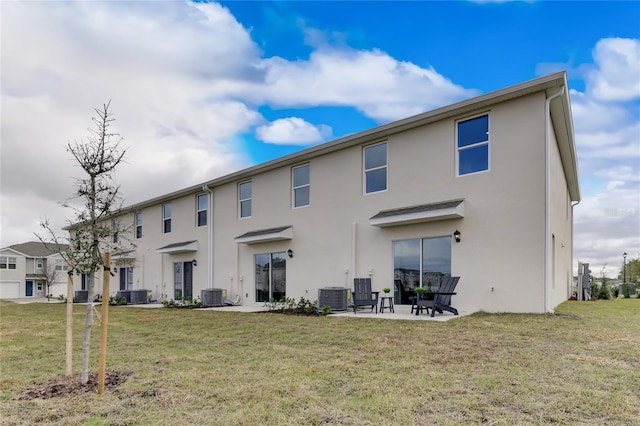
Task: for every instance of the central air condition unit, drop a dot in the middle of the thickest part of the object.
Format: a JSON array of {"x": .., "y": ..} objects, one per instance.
[
  {"x": 213, "y": 297},
  {"x": 126, "y": 294},
  {"x": 82, "y": 296},
  {"x": 333, "y": 297},
  {"x": 139, "y": 296}
]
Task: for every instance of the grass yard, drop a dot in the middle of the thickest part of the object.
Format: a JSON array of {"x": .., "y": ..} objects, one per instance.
[{"x": 581, "y": 366}]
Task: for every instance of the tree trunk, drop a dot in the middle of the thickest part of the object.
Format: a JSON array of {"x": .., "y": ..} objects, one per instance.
[{"x": 84, "y": 376}]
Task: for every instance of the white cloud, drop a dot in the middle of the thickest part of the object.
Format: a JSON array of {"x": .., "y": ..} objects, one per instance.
[
  {"x": 607, "y": 133},
  {"x": 378, "y": 85},
  {"x": 293, "y": 131},
  {"x": 617, "y": 73},
  {"x": 185, "y": 79}
]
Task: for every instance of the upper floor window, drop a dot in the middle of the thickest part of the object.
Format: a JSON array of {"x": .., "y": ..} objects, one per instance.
[
  {"x": 244, "y": 198},
  {"x": 201, "y": 209},
  {"x": 115, "y": 225},
  {"x": 61, "y": 265},
  {"x": 301, "y": 185},
  {"x": 375, "y": 168},
  {"x": 39, "y": 263},
  {"x": 138, "y": 220},
  {"x": 7, "y": 262},
  {"x": 166, "y": 218},
  {"x": 473, "y": 145}
]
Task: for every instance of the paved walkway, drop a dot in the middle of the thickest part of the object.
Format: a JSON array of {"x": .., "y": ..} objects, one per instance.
[{"x": 402, "y": 312}]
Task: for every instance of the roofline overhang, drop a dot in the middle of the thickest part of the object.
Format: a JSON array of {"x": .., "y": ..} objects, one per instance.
[{"x": 561, "y": 113}]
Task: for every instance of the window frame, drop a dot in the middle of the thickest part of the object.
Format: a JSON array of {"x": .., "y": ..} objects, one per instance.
[
  {"x": 294, "y": 188},
  {"x": 6, "y": 262},
  {"x": 39, "y": 263},
  {"x": 475, "y": 145},
  {"x": 137, "y": 220},
  {"x": 61, "y": 265},
  {"x": 166, "y": 220},
  {"x": 205, "y": 210},
  {"x": 242, "y": 201},
  {"x": 366, "y": 170}
]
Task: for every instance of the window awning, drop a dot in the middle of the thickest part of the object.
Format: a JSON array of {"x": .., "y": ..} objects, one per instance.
[
  {"x": 417, "y": 214},
  {"x": 266, "y": 235},
  {"x": 124, "y": 255},
  {"x": 183, "y": 247}
]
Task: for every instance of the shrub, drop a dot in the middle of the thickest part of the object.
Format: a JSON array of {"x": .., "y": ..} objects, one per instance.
[
  {"x": 117, "y": 300},
  {"x": 604, "y": 292},
  {"x": 290, "y": 306},
  {"x": 183, "y": 304}
]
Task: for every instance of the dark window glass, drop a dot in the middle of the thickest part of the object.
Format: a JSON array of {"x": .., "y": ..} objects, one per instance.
[
  {"x": 375, "y": 168},
  {"x": 244, "y": 196},
  {"x": 474, "y": 160},
  {"x": 202, "y": 210},
  {"x": 301, "y": 187},
  {"x": 376, "y": 180},
  {"x": 473, "y": 131}
]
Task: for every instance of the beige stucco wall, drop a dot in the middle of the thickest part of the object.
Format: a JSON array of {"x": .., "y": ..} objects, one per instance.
[
  {"x": 561, "y": 219},
  {"x": 153, "y": 270},
  {"x": 500, "y": 258}
]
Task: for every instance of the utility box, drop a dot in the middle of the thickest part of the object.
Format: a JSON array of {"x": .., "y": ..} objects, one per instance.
[
  {"x": 333, "y": 297},
  {"x": 213, "y": 297},
  {"x": 126, "y": 294},
  {"x": 82, "y": 296},
  {"x": 139, "y": 297}
]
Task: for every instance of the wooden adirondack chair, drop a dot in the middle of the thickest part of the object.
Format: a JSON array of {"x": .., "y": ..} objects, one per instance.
[
  {"x": 441, "y": 298},
  {"x": 362, "y": 294}
]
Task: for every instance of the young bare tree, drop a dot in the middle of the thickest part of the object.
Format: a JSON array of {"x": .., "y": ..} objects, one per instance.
[
  {"x": 51, "y": 276},
  {"x": 91, "y": 232}
]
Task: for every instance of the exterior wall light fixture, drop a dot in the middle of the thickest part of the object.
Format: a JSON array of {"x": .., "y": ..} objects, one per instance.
[
  {"x": 290, "y": 253},
  {"x": 195, "y": 262},
  {"x": 457, "y": 236}
]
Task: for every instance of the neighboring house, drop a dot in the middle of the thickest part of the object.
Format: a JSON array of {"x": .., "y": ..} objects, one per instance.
[
  {"x": 26, "y": 270},
  {"x": 385, "y": 203}
]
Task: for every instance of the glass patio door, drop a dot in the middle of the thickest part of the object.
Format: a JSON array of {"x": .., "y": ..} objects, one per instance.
[
  {"x": 270, "y": 279},
  {"x": 421, "y": 262},
  {"x": 183, "y": 280}
]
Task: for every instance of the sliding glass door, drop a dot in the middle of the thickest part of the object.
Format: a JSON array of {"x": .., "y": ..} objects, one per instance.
[
  {"x": 419, "y": 262},
  {"x": 270, "y": 280}
]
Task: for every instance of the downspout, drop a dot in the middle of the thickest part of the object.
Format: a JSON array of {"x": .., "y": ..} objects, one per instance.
[
  {"x": 547, "y": 190},
  {"x": 206, "y": 189}
]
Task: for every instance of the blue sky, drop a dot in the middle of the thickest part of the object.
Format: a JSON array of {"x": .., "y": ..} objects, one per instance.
[{"x": 200, "y": 90}]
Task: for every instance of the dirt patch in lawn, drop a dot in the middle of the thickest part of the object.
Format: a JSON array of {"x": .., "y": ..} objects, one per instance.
[{"x": 63, "y": 386}]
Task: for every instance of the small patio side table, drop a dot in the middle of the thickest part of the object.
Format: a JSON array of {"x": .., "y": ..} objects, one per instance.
[{"x": 388, "y": 305}]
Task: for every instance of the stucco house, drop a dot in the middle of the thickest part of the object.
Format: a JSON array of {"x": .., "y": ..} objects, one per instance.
[
  {"x": 26, "y": 269},
  {"x": 500, "y": 169}
]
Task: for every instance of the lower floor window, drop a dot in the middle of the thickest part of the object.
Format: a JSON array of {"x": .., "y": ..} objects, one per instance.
[{"x": 421, "y": 262}]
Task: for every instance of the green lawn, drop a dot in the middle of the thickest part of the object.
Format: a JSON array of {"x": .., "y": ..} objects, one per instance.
[{"x": 581, "y": 366}]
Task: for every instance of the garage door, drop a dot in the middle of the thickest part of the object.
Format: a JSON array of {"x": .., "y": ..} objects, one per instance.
[{"x": 9, "y": 290}]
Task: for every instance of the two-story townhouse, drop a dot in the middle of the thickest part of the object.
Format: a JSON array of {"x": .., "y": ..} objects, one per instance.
[
  {"x": 482, "y": 189},
  {"x": 31, "y": 269}
]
